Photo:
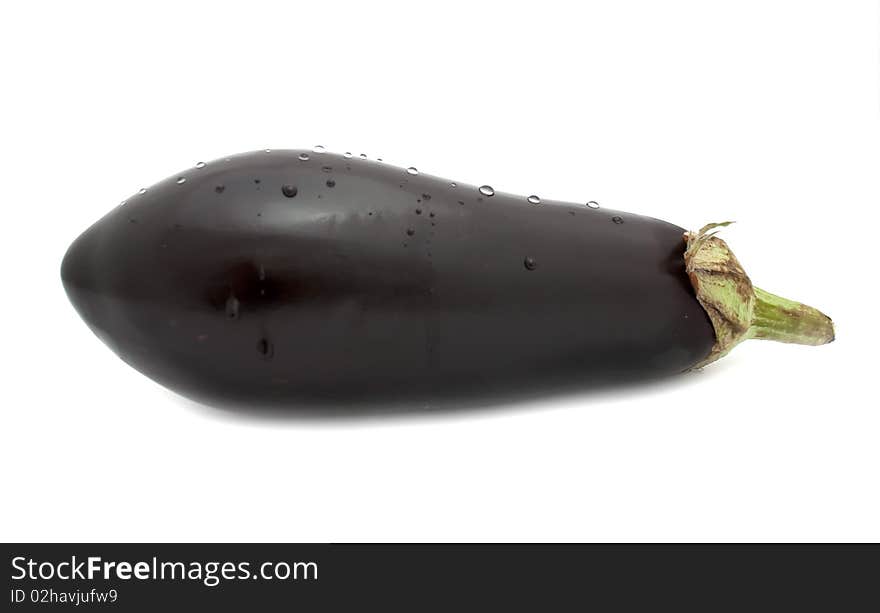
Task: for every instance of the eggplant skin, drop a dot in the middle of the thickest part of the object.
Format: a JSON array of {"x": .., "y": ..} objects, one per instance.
[{"x": 269, "y": 278}]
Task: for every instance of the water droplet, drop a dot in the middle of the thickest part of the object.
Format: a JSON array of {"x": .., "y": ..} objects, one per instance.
[
  {"x": 122, "y": 203},
  {"x": 331, "y": 183},
  {"x": 347, "y": 154},
  {"x": 318, "y": 148},
  {"x": 431, "y": 214},
  {"x": 410, "y": 231},
  {"x": 412, "y": 170},
  {"x": 289, "y": 191},
  {"x": 379, "y": 159},
  {"x": 593, "y": 204},
  {"x": 268, "y": 151},
  {"x": 142, "y": 191},
  {"x": 617, "y": 219},
  {"x": 530, "y": 263},
  {"x": 487, "y": 190},
  {"x": 326, "y": 169},
  {"x": 426, "y": 196},
  {"x": 219, "y": 188},
  {"x": 453, "y": 184},
  {"x": 265, "y": 348},
  {"x": 461, "y": 202},
  {"x": 533, "y": 199},
  {"x": 303, "y": 156},
  {"x": 200, "y": 165},
  {"x": 418, "y": 211},
  {"x": 181, "y": 180},
  {"x": 363, "y": 156},
  {"x": 232, "y": 305},
  {"x": 257, "y": 181}
]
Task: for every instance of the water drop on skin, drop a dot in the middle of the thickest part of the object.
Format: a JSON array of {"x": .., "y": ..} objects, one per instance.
[
  {"x": 593, "y": 204},
  {"x": 303, "y": 156},
  {"x": 347, "y": 154},
  {"x": 453, "y": 184},
  {"x": 533, "y": 199},
  {"x": 318, "y": 148},
  {"x": 232, "y": 306},
  {"x": 142, "y": 191},
  {"x": 326, "y": 169},
  {"x": 265, "y": 348},
  {"x": 331, "y": 183},
  {"x": 617, "y": 219},
  {"x": 487, "y": 190},
  {"x": 412, "y": 170},
  {"x": 219, "y": 188},
  {"x": 200, "y": 165},
  {"x": 530, "y": 263},
  {"x": 181, "y": 180},
  {"x": 268, "y": 151},
  {"x": 289, "y": 191},
  {"x": 363, "y": 156},
  {"x": 410, "y": 232}
]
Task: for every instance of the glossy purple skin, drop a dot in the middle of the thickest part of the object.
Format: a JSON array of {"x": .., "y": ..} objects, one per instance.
[{"x": 372, "y": 283}]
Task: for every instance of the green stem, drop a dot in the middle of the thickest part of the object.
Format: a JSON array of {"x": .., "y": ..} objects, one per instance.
[
  {"x": 737, "y": 309},
  {"x": 779, "y": 319}
]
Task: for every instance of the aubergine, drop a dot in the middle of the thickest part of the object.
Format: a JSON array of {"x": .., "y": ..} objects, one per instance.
[{"x": 297, "y": 276}]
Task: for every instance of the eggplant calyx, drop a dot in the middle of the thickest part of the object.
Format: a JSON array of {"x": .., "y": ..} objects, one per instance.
[{"x": 737, "y": 309}]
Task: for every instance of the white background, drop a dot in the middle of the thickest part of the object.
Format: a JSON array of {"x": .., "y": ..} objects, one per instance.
[{"x": 763, "y": 112}]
